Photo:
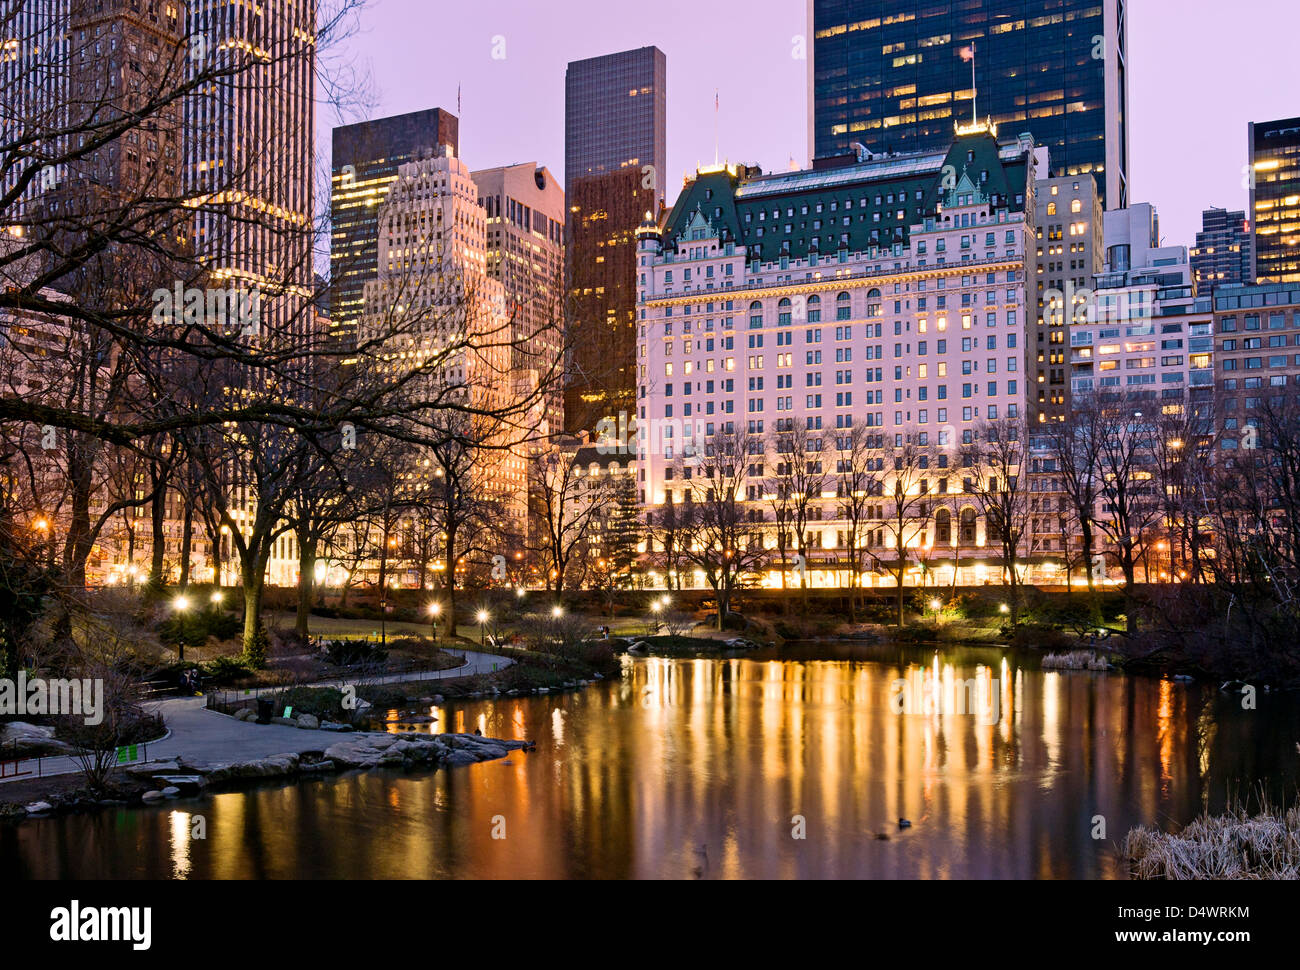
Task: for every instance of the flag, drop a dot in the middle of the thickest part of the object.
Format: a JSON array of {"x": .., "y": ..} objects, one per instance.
[{"x": 968, "y": 53}]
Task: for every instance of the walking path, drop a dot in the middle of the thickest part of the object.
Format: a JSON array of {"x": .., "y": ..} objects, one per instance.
[{"x": 201, "y": 735}]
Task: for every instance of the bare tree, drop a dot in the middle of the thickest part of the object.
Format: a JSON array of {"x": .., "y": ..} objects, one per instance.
[
  {"x": 726, "y": 538},
  {"x": 998, "y": 463},
  {"x": 912, "y": 463},
  {"x": 857, "y": 480}
]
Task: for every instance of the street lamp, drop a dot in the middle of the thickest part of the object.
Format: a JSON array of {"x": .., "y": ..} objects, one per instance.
[
  {"x": 483, "y": 617},
  {"x": 181, "y": 604},
  {"x": 936, "y": 606},
  {"x": 1004, "y": 608},
  {"x": 557, "y": 611},
  {"x": 435, "y": 609},
  {"x": 217, "y": 598}
]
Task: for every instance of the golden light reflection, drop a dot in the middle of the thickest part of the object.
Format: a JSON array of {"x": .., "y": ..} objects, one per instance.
[{"x": 180, "y": 844}]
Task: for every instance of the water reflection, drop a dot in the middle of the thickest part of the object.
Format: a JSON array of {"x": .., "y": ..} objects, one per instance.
[{"x": 707, "y": 768}]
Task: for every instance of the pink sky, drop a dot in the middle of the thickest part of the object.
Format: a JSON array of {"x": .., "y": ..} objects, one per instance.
[{"x": 1199, "y": 71}]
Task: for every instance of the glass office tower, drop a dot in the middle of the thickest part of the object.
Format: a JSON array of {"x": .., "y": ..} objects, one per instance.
[
  {"x": 895, "y": 76},
  {"x": 1275, "y": 199}
]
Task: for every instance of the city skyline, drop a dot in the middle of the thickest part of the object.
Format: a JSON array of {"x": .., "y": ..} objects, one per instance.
[{"x": 1169, "y": 92}]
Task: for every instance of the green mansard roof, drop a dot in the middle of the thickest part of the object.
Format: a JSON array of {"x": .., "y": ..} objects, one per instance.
[{"x": 725, "y": 197}]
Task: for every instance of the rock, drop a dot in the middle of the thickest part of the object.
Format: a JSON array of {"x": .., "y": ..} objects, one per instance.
[
  {"x": 308, "y": 722},
  {"x": 285, "y": 721},
  {"x": 246, "y": 714},
  {"x": 150, "y": 769},
  {"x": 39, "y": 808},
  {"x": 171, "y": 791},
  {"x": 459, "y": 758},
  {"x": 185, "y": 784},
  {"x": 20, "y": 729},
  {"x": 335, "y": 726},
  {"x": 152, "y": 796}
]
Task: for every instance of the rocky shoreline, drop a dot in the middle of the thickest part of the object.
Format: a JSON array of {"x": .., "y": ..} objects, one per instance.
[{"x": 160, "y": 780}]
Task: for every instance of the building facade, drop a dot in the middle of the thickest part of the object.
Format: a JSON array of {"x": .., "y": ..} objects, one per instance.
[
  {"x": 615, "y": 166},
  {"x": 1224, "y": 254},
  {"x": 891, "y": 76},
  {"x": 525, "y": 254},
  {"x": 1274, "y": 148},
  {"x": 434, "y": 305},
  {"x": 1257, "y": 355},
  {"x": 885, "y": 295},
  {"x": 366, "y": 160},
  {"x": 1069, "y": 252}
]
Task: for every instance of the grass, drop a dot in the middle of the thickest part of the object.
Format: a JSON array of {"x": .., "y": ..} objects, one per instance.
[
  {"x": 1075, "y": 660},
  {"x": 1235, "y": 845}
]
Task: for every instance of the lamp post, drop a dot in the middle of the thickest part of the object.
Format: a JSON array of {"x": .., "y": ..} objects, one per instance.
[
  {"x": 936, "y": 606},
  {"x": 655, "y": 608},
  {"x": 181, "y": 604},
  {"x": 483, "y": 617},
  {"x": 557, "y": 611},
  {"x": 434, "y": 610}
]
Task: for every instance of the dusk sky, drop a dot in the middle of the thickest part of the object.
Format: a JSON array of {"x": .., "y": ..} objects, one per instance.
[{"x": 1199, "y": 71}]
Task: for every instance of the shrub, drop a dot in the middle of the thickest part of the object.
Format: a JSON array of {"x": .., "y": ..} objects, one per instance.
[
  {"x": 255, "y": 652},
  {"x": 225, "y": 670},
  {"x": 346, "y": 653},
  {"x": 197, "y": 629}
]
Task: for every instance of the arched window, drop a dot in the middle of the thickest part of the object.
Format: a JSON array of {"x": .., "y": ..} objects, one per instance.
[
  {"x": 943, "y": 527},
  {"x": 843, "y": 307},
  {"x": 814, "y": 309},
  {"x": 968, "y": 526},
  {"x": 756, "y": 314},
  {"x": 1051, "y": 208},
  {"x": 873, "y": 303},
  {"x": 783, "y": 313}
]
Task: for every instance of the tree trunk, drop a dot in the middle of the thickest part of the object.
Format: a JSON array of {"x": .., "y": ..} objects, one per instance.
[
  {"x": 158, "y": 516},
  {"x": 306, "y": 583},
  {"x": 187, "y": 542}
]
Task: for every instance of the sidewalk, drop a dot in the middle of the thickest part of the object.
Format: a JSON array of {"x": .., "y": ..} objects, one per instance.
[{"x": 201, "y": 735}]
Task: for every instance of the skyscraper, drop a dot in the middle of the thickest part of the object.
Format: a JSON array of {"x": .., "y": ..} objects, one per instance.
[
  {"x": 1224, "y": 253},
  {"x": 1068, "y": 225},
  {"x": 896, "y": 76},
  {"x": 1275, "y": 199},
  {"x": 366, "y": 160},
  {"x": 525, "y": 253},
  {"x": 615, "y": 159},
  {"x": 249, "y": 156}
]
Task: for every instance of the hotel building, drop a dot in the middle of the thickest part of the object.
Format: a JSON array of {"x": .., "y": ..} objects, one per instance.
[{"x": 885, "y": 293}]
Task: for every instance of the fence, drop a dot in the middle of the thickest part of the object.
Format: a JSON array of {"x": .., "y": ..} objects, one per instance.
[
  {"x": 15, "y": 767},
  {"x": 231, "y": 701}
]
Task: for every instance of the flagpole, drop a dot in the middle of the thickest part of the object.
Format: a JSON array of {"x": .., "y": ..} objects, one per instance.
[{"x": 716, "y": 108}]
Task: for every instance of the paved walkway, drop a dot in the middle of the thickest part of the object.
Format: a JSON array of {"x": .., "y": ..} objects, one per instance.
[{"x": 201, "y": 735}]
